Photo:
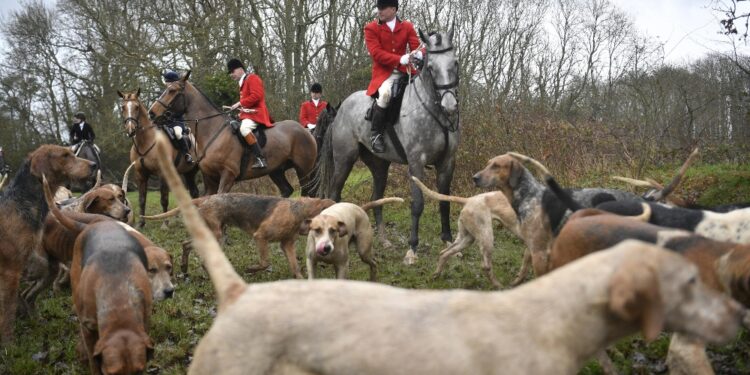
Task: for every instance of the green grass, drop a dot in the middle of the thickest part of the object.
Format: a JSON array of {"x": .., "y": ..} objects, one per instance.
[{"x": 45, "y": 341}]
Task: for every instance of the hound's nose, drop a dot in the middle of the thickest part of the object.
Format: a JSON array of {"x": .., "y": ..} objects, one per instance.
[
  {"x": 168, "y": 293},
  {"x": 327, "y": 249},
  {"x": 151, "y": 115},
  {"x": 93, "y": 167},
  {"x": 127, "y": 210},
  {"x": 476, "y": 179}
]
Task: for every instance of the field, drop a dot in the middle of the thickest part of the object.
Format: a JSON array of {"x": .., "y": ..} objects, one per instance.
[{"x": 45, "y": 340}]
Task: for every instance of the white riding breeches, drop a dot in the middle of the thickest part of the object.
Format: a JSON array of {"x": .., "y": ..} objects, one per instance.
[
  {"x": 247, "y": 126},
  {"x": 177, "y": 132},
  {"x": 384, "y": 92}
]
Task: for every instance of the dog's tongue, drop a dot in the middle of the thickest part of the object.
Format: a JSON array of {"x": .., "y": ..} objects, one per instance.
[{"x": 320, "y": 249}]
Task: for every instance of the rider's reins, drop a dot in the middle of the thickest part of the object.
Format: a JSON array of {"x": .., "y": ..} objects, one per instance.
[{"x": 168, "y": 113}]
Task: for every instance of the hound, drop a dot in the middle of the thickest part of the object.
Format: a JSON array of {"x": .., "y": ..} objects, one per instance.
[
  {"x": 475, "y": 224},
  {"x": 372, "y": 328},
  {"x": 723, "y": 266},
  {"x": 540, "y": 214},
  {"x": 330, "y": 233},
  {"x": 267, "y": 219},
  {"x": 732, "y": 226},
  {"x": 22, "y": 211}
]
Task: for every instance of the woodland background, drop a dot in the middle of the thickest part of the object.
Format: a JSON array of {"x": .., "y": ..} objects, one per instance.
[{"x": 571, "y": 82}]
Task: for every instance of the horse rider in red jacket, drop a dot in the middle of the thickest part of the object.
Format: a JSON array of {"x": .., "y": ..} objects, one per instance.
[
  {"x": 310, "y": 109},
  {"x": 387, "y": 38},
  {"x": 252, "y": 106}
]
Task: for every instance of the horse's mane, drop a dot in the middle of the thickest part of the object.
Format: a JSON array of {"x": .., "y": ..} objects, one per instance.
[{"x": 205, "y": 97}]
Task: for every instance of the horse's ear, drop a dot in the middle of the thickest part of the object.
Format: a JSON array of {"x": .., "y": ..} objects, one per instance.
[
  {"x": 187, "y": 75},
  {"x": 450, "y": 32},
  {"x": 119, "y": 93},
  {"x": 424, "y": 38},
  {"x": 138, "y": 93}
]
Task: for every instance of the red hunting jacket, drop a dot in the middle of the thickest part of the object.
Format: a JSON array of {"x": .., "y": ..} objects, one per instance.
[
  {"x": 308, "y": 112},
  {"x": 386, "y": 49},
  {"x": 253, "y": 96}
]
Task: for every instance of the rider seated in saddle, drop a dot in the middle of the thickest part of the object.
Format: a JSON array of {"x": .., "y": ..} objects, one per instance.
[
  {"x": 387, "y": 38},
  {"x": 252, "y": 107},
  {"x": 80, "y": 131},
  {"x": 177, "y": 123},
  {"x": 310, "y": 109}
]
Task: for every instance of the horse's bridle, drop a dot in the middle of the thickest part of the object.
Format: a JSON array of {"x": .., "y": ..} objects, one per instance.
[
  {"x": 168, "y": 108},
  {"x": 447, "y": 88},
  {"x": 138, "y": 126}
]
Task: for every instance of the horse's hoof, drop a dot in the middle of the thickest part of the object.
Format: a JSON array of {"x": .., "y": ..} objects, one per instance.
[
  {"x": 165, "y": 225},
  {"x": 410, "y": 258}
]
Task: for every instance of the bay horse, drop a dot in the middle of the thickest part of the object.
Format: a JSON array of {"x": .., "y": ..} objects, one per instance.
[
  {"x": 427, "y": 129},
  {"x": 142, "y": 131},
  {"x": 219, "y": 150}
]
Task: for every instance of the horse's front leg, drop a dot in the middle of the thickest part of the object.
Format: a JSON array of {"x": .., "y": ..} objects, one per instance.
[
  {"x": 226, "y": 181},
  {"x": 142, "y": 180},
  {"x": 164, "y": 198},
  {"x": 417, "y": 206},
  {"x": 379, "y": 170},
  {"x": 444, "y": 179}
]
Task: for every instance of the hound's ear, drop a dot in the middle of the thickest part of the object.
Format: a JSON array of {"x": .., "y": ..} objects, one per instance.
[
  {"x": 450, "y": 32},
  {"x": 187, "y": 75},
  {"x": 634, "y": 297},
  {"x": 138, "y": 93},
  {"x": 304, "y": 228},
  {"x": 516, "y": 171},
  {"x": 424, "y": 39},
  {"x": 89, "y": 201},
  {"x": 342, "y": 229},
  {"x": 120, "y": 94}
]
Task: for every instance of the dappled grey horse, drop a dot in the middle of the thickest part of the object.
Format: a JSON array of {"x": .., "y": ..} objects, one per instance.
[
  {"x": 427, "y": 128},
  {"x": 87, "y": 151}
]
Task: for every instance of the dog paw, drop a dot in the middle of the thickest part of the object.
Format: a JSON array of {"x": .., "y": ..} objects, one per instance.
[
  {"x": 257, "y": 268},
  {"x": 410, "y": 258}
]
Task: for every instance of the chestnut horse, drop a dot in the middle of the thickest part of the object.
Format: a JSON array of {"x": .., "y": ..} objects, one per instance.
[
  {"x": 143, "y": 133},
  {"x": 219, "y": 150}
]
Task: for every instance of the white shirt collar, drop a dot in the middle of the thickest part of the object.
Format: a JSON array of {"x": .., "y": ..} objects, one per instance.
[
  {"x": 391, "y": 24},
  {"x": 81, "y": 124},
  {"x": 242, "y": 79},
  {"x": 316, "y": 101}
]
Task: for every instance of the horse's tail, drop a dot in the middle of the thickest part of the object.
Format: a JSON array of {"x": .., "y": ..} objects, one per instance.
[
  {"x": 69, "y": 224},
  {"x": 437, "y": 196},
  {"x": 323, "y": 171},
  {"x": 381, "y": 202},
  {"x": 125, "y": 178}
]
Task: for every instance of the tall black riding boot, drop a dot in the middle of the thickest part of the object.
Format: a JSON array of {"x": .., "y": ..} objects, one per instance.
[
  {"x": 260, "y": 159},
  {"x": 185, "y": 148},
  {"x": 377, "y": 127}
]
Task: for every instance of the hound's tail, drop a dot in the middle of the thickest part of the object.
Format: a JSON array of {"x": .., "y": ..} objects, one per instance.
[
  {"x": 380, "y": 202},
  {"x": 228, "y": 284},
  {"x": 523, "y": 158},
  {"x": 438, "y": 196},
  {"x": 125, "y": 178},
  {"x": 69, "y": 224},
  {"x": 175, "y": 211},
  {"x": 561, "y": 194}
]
